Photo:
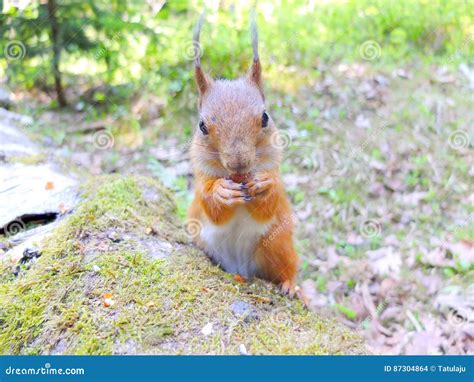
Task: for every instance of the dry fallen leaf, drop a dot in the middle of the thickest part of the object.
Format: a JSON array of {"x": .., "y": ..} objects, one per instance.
[
  {"x": 463, "y": 251},
  {"x": 240, "y": 279},
  {"x": 362, "y": 122},
  {"x": 402, "y": 73},
  {"x": 437, "y": 257},
  {"x": 310, "y": 296},
  {"x": 424, "y": 343},
  {"x": 207, "y": 329},
  {"x": 385, "y": 261}
]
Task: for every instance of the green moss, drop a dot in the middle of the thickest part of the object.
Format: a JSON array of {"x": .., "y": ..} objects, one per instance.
[{"x": 159, "y": 303}]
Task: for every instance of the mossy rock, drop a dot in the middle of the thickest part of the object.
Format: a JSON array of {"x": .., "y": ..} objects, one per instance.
[{"x": 119, "y": 276}]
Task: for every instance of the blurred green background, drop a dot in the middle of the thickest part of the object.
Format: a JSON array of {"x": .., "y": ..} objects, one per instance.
[{"x": 145, "y": 45}]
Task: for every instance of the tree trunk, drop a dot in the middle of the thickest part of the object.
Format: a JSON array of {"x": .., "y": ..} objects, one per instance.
[{"x": 56, "y": 51}]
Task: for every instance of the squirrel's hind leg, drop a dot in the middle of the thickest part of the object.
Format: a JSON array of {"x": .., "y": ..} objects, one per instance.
[{"x": 277, "y": 260}]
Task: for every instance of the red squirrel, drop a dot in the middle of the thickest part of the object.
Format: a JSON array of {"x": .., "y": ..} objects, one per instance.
[{"x": 240, "y": 203}]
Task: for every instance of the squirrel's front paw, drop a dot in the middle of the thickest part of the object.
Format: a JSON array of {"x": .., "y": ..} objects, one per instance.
[
  {"x": 260, "y": 185},
  {"x": 230, "y": 193}
]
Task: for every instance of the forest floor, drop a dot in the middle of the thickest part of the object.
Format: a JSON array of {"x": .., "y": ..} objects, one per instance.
[
  {"x": 378, "y": 165},
  {"x": 117, "y": 274}
]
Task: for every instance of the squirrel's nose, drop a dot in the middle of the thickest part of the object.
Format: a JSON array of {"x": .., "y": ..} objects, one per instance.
[
  {"x": 239, "y": 164},
  {"x": 237, "y": 167}
]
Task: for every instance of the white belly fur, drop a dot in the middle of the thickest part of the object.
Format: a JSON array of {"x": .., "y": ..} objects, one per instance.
[{"x": 232, "y": 245}]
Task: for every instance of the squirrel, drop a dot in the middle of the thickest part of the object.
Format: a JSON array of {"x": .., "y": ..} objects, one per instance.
[{"x": 244, "y": 216}]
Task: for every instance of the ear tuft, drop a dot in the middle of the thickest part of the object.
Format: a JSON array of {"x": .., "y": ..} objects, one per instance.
[
  {"x": 255, "y": 72},
  {"x": 203, "y": 81}
]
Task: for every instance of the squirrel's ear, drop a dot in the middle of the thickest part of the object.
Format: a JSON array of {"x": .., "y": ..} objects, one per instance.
[
  {"x": 255, "y": 72},
  {"x": 203, "y": 81}
]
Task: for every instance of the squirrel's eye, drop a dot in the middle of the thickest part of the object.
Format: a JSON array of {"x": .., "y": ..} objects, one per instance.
[
  {"x": 202, "y": 127},
  {"x": 264, "y": 119}
]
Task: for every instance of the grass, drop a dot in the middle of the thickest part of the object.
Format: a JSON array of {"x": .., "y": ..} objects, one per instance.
[{"x": 160, "y": 303}]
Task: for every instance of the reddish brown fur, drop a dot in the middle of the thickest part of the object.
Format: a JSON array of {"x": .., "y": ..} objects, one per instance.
[{"x": 237, "y": 143}]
